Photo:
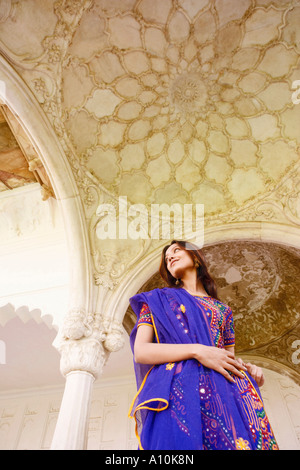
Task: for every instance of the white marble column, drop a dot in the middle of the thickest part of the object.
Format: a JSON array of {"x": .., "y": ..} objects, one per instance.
[
  {"x": 82, "y": 361},
  {"x": 72, "y": 426}
]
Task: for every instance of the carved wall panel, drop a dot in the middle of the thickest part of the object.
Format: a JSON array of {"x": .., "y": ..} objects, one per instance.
[{"x": 27, "y": 421}]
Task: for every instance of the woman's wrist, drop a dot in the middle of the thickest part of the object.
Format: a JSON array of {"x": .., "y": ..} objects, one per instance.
[{"x": 197, "y": 351}]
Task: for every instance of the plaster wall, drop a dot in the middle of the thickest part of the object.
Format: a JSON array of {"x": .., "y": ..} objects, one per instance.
[
  {"x": 28, "y": 419},
  {"x": 34, "y": 268}
]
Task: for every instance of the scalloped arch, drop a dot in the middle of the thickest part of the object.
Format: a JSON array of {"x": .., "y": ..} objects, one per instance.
[{"x": 10, "y": 311}]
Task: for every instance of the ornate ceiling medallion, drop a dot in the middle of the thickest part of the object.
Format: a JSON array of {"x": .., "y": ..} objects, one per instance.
[{"x": 189, "y": 93}]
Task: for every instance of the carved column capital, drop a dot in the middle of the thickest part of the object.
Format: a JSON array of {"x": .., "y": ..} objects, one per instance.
[
  {"x": 112, "y": 331},
  {"x": 81, "y": 343},
  {"x": 114, "y": 337},
  {"x": 87, "y": 339},
  {"x": 77, "y": 324},
  {"x": 86, "y": 354}
]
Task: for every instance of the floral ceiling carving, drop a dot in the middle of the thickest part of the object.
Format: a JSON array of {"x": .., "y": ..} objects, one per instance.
[
  {"x": 176, "y": 100},
  {"x": 190, "y": 102}
]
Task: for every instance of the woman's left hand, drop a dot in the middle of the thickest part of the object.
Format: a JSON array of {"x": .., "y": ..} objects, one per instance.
[{"x": 256, "y": 373}]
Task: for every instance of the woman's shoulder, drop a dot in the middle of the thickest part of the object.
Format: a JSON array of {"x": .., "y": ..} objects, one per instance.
[
  {"x": 223, "y": 305},
  {"x": 143, "y": 295},
  {"x": 156, "y": 290},
  {"x": 153, "y": 294}
]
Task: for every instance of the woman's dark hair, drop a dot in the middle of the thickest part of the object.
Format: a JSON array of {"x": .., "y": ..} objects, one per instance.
[{"x": 202, "y": 271}]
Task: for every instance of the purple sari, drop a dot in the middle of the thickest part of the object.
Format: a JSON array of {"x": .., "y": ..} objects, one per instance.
[{"x": 185, "y": 405}]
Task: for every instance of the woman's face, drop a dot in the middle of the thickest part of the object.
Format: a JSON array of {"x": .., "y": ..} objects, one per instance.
[{"x": 178, "y": 260}]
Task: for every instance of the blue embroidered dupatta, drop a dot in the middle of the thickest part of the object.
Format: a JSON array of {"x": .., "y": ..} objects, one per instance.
[{"x": 184, "y": 405}]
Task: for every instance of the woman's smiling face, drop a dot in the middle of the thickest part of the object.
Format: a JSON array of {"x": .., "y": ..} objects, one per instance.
[{"x": 178, "y": 260}]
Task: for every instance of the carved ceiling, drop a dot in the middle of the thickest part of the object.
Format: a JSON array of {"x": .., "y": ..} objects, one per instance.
[
  {"x": 183, "y": 101},
  {"x": 260, "y": 283}
]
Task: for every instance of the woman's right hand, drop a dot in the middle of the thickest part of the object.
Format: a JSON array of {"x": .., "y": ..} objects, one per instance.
[{"x": 220, "y": 360}]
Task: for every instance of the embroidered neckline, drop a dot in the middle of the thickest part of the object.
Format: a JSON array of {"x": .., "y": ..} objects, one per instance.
[{"x": 201, "y": 296}]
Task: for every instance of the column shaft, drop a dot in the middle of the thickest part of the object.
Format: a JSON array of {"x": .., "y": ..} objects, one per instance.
[{"x": 72, "y": 425}]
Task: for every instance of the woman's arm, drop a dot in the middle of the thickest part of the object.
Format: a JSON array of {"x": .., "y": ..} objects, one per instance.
[{"x": 147, "y": 352}]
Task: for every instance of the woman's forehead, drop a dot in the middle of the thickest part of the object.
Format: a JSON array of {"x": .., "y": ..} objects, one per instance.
[{"x": 171, "y": 248}]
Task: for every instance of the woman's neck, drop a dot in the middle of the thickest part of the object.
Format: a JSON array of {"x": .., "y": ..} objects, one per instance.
[{"x": 193, "y": 286}]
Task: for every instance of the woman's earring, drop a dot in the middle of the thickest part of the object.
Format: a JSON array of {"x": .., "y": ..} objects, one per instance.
[
  {"x": 177, "y": 282},
  {"x": 197, "y": 264}
]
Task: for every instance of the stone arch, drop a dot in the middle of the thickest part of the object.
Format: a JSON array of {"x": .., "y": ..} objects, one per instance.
[
  {"x": 19, "y": 99},
  {"x": 281, "y": 390},
  {"x": 281, "y": 234}
]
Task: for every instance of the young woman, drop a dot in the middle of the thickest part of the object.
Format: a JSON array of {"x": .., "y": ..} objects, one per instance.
[{"x": 193, "y": 393}]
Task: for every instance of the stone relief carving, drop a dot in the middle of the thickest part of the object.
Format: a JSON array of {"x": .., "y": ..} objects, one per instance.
[{"x": 77, "y": 325}]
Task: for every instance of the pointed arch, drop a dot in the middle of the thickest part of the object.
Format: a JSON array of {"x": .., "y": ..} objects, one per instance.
[
  {"x": 278, "y": 233},
  {"x": 20, "y": 100}
]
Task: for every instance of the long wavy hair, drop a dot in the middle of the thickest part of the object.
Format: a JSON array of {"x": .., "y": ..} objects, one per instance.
[{"x": 202, "y": 271}]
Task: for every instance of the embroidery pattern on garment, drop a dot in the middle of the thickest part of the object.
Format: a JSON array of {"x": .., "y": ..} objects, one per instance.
[
  {"x": 177, "y": 407},
  {"x": 221, "y": 321},
  {"x": 145, "y": 316},
  {"x": 217, "y": 426},
  {"x": 180, "y": 313},
  {"x": 242, "y": 444},
  {"x": 258, "y": 421}
]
